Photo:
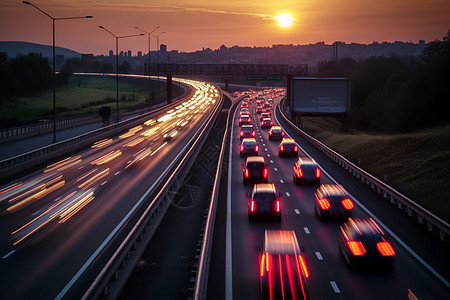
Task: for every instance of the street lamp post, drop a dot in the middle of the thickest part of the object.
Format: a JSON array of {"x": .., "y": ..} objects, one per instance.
[
  {"x": 149, "y": 34},
  {"x": 157, "y": 44},
  {"x": 117, "y": 62},
  {"x": 54, "y": 66}
]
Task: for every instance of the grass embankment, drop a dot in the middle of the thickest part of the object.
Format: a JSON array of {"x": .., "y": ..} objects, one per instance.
[
  {"x": 416, "y": 164},
  {"x": 83, "y": 94}
]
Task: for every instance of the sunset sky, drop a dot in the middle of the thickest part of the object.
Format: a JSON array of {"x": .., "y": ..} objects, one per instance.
[{"x": 191, "y": 25}]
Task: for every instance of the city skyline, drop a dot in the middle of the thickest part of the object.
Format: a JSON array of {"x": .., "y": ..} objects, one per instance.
[{"x": 200, "y": 24}]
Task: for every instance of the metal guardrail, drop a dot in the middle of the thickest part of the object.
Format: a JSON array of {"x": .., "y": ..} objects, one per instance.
[
  {"x": 201, "y": 280},
  {"x": 412, "y": 209},
  {"x": 33, "y": 158},
  {"x": 120, "y": 265}
]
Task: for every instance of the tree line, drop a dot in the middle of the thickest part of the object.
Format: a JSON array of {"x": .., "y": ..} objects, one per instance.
[{"x": 397, "y": 94}]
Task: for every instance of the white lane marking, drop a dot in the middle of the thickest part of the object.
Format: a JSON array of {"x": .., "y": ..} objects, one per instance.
[
  {"x": 38, "y": 212},
  {"x": 276, "y": 170},
  {"x": 117, "y": 173},
  {"x": 266, "y": 149},
  {"x": 104, "y": 182},
  {"x": 264, "y": 145},
  {"x": 297, "y": 211},
  {"x": 306, "y": 230},
  {"x": 271, "y": 161},
  {"x": 319, "y": 256},
  {"x": 262, "y": 140},
  {"x": 287, "y": 194},
  {"x": 8, "y": 254},
  {"x": 80, "y": 167},
  {"x": 268, "y": 155},
  {"x": 335, "y": 287},
  {"x": 281, "y": 181},
  {"x": 391, "y": 233}
]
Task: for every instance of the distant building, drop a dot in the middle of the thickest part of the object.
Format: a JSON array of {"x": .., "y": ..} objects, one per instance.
[
  {"x": 129, "y": 53},
  {"x": 139, "y": 53},
  {"x": 111, "y": 53},
  {"x": 163, "y": 48},
  {"x": 86, "y": 60}
]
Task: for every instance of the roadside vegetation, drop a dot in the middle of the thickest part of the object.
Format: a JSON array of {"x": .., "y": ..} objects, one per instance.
[{"x": 398, "y": 128}]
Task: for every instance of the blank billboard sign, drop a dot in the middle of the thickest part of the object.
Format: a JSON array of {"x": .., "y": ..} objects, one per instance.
[{"x": 311, "y": 95}]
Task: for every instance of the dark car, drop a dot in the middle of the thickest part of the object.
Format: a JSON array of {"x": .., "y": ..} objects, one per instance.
[
  {"x": 255, "y": 170},
  {"x": 244, "y": 111},
  {"x": 363, "y": 243},
  {"x": 332, "y": 201},
  {"x": 245, "y": 119},
  {"x": 247, "y": 131},
  {"x": 266, "y": 123},
  {"x": 248, "y": 147},
  {"x": 264, "y": 201},
  {"x": 258, "y": 109},
  {"x": 276, "y": 133},
  {"x": 264, "y": 115},
  {"x": 306, "y": 170},
  {"x": 287, "y": 147},
  {"x": 283, "y": 273}
]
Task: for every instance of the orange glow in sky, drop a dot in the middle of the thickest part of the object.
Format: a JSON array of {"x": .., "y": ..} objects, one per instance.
[{"x": 191, "y": 25}]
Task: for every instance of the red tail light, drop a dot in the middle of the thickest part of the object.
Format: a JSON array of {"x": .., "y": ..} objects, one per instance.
[
  {"x": 295, "y": 148},
  {"x": 281, "y": 148},
  {"x": 266, "y": 173},
  {"x": 271, "y": 123},
  {"x": 282, "y": 133},
  {"x": 318, "y": 173},
  {"x": 385, "y": 248},
  {"x": 256, "y": 148},
  {"x": 303, "y": 265},
  {"x": 356, "y": 247},
  {"x": 246, "y": 173},
  {"x": 253, "y": 133},
  {"x": 324, "y": 204},
  {"x": 270, "y": 133},
  {"x": 249, "y": 120},
  {"x": 298, "y": 172},
  {"x": 347, "y": 203},
  {"x": 252, "y": 205},
  {"x": 261, "y": 273},
  {"x": 242, "y": 148},
  {"x": 277, "y": 206},
  {"x": 242, "y": 133},
  {"x": 240, "y": 120}
]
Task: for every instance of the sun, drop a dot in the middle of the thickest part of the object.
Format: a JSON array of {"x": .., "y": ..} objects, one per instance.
[{"x": 285, "y": 20}]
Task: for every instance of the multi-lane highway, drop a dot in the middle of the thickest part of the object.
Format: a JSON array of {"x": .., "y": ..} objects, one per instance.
[
  {"x": 57, "y": 223},
  {"x": 330, "y": 277}
]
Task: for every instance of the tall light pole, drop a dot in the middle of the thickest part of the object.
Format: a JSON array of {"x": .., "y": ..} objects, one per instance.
[
  {"x": 149, "y": 49},
  {"x": 54, "y": 66},
  {"x": 158, "y": 49},
  {"x": 117, "y": 63}
]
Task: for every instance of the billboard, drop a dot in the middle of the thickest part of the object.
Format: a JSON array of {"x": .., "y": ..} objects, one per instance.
[{"x": 310, "y": 95}]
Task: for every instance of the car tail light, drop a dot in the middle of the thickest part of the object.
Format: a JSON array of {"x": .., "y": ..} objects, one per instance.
[
  {"x": 252, "y": 206},
  {"x": 246, "y": 173},
  {"x": 253, "y": 133},
  {"x": 242, "y": 133},
  {"x": 324, "y": 204},
  {"x": 242, "y": 148},
  {"x": 298, "y": 172},
  {"x": 295, "y": 148},
  {"x": 385, "y": 248},
  {"x": 249, "y": 120},
  {"x": 256, "y": 148},
  {"x": 270, "y": 133},
  {"x": 356, "y": 247},
  {"x": 303, "y": 266},
  {"x": 318, "y": 173},
  {"x": 281, "y": 148},
  {"x": 261, "y": 273},
  {"x": 347, "y": 203},
  {"x": 282, "y": 133},
  {"x": 278, "y": 206},
  {"x": 266, "y": 173},
  {"x": 271, "y": 123}
]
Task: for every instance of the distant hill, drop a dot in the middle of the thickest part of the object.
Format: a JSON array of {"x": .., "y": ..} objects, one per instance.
[{"x": 15, "y": 48}]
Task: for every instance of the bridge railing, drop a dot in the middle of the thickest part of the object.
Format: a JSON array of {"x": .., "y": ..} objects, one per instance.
[{"x": 412, "y": 209}]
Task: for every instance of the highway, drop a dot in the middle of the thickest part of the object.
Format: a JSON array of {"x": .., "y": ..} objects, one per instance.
[
  {"x": 58, "y": 225},
  {"x": 330, "y": 277}
]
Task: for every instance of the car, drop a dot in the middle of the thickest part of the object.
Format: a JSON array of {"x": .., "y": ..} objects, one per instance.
[
  {"x": 248, "y": 147},
  {"x": 244, "y": 119},
  {"x": 244, "y": 111},
  {"x": 258, "y": 109},
  {"x": 264, "y": 201},
  {"x": 266, "y": 123},
  {"x": 247, "y": 131},
  {"x": 332, "y": 202},
  {"x": 287, "y": 147},
  {"x": 264, "y": 115},
  {"x": 283, "y": 273},
  {"x": 255, "y": 170},
  {"x": 276, "y": 133},
  {"x": 363, "y": 243},
  {"x": 244, "y": 104},
  {"x": 306, "y": 170}
]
